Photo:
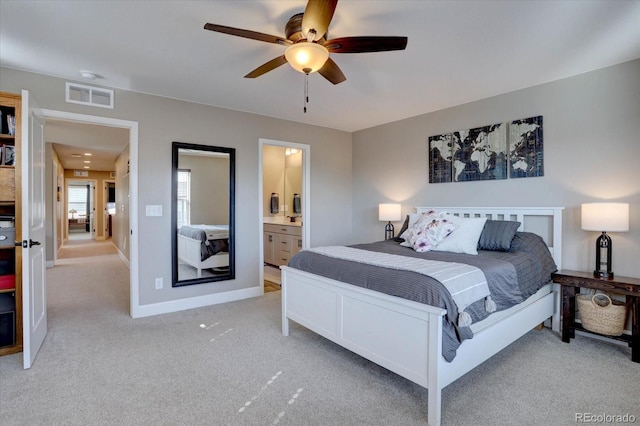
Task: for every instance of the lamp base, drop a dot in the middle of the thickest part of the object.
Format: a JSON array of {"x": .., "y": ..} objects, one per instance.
[
  {"x": 603, "y": 249},
  {"x": 388, "y": 231},
  {"x": 603, "y": 274}
]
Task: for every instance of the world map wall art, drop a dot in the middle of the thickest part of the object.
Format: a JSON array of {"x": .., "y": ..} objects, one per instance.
[{"x": 498, "y": 151}]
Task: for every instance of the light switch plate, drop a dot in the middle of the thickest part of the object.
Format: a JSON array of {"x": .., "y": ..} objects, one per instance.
[{"x": 153, "y": 210}]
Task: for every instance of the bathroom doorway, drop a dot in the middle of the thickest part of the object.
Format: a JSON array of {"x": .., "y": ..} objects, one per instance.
[{"x": 284, "y": 206}]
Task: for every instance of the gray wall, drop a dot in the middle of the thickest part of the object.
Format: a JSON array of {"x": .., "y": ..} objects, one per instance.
[
  {"x": 162, "y": 121},
  {"x": 591, "y": 153},
  {"x": 209, "y": 188}
]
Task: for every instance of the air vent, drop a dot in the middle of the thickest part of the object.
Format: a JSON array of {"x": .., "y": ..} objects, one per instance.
[{"x": 89, "y": 95}]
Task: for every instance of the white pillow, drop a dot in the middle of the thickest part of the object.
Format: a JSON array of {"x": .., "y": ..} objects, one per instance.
[{"x": 463, "y": 239}]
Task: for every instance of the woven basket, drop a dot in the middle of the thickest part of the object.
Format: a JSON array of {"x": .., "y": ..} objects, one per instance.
[{"x": 602, "y": 315}]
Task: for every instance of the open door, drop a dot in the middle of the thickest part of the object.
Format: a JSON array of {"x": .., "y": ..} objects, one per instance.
[{"x": 34, "y": 296}]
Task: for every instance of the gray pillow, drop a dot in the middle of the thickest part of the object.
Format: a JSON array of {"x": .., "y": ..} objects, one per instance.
[{"x": 497, "y": 235}]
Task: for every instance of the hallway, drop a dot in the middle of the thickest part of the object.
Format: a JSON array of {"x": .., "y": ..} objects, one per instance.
[{"x": 79, "y": 248}]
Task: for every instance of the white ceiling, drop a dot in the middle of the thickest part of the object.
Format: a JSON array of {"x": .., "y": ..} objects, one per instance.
[
  {"x": 77, "y": 143},
  {"x": 458, "y": 51}
]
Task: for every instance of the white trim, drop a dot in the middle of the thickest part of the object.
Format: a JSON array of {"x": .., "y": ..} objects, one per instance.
[
  {"x": 123, "y": 258},
  {"x": 198, "y": 302},
  {"x": 134, "y": 303},
  {"x": 306, "y": 195}
]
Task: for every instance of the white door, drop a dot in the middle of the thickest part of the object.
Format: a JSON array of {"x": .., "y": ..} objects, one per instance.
[{"x": 34, "y": 296}]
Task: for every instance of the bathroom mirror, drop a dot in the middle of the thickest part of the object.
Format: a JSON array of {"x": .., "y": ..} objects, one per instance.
[
  {"x": 282, "y": 183},
  {"x": 202, "y": 213}
]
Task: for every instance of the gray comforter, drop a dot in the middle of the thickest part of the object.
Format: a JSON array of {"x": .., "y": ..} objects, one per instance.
[
  {"x": 512, "y": 277},
  {"x": 208, "y": 248}
]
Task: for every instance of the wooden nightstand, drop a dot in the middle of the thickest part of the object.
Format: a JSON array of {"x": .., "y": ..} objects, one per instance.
[{"x": 630, "y": 287}]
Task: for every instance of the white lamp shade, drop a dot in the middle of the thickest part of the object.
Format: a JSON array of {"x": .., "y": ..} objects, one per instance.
[
  {"x": 609, "y": 217},
  {"x": 306, "y": 57},
  {"x": 389, "y": 212}
]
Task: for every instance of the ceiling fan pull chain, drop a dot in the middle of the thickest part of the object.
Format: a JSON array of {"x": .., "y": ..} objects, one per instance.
[{"x": 306, "y": 92}]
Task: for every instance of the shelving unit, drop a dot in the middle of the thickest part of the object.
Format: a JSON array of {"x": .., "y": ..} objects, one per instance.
[{"x": 10, "y": 211}]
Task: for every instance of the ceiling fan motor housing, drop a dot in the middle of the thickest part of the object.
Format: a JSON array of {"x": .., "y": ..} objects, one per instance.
[{"x": 293, "y": 30}]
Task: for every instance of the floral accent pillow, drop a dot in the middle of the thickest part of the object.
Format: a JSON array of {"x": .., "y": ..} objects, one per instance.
[{"x": 429, "y": 230}]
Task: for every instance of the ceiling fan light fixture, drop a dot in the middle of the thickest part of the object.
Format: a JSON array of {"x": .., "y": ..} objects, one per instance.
[{"x": 306, "y": 57}]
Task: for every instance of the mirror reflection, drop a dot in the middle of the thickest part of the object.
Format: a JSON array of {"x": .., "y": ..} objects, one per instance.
[
  {"x": 202, "y": 213},
  {"x": 282, "y": 177}
]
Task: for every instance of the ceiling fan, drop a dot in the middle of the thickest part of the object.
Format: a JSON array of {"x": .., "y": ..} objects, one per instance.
[{"x": 307, "y": 45}]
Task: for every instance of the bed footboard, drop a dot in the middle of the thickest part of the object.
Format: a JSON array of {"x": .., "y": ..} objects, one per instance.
[
  {"x": 189, "y": 253},
  {"x": 400, "y": 335}
]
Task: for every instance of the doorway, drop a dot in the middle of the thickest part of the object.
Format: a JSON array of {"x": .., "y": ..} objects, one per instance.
[
  {"x": 80, "y": 208},
  {"x": 284, "y": 206},
  {"x": 130, "y": 223}
]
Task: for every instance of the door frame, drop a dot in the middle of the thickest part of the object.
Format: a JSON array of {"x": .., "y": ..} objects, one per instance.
[
  {"x": 306, "y": 195},
  {"x": 132, "y": 126}
]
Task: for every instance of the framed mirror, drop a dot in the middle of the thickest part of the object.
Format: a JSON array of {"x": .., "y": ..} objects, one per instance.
[{"x": 202, "y": 213}]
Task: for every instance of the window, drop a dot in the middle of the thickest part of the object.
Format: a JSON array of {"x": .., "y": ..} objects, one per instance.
[{"x": 184, "y": 197}]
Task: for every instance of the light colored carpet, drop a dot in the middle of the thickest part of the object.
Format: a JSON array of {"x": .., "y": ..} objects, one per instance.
[
  {"x": 230, "y": 365},
  {"x": 86, "y": 248}
]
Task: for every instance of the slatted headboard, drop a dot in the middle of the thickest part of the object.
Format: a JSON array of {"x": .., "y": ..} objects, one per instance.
[{"x": 550, "y": 230}]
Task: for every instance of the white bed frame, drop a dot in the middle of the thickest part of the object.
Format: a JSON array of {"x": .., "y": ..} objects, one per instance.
[
  {"x": 189, "y": 253},
  {"x": 405, "y": 336}
]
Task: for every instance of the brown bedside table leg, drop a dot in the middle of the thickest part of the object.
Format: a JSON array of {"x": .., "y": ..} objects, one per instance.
[{"x": 568, "y": 311}]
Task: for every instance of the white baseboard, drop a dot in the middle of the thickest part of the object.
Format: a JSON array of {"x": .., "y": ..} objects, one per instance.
[
  {"x": 196, "y": 302},
  {"x": 123, "y": 257}
]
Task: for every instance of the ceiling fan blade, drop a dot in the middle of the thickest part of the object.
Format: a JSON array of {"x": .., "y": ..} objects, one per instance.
[
  {"x": 265, "y": 68},
  {"x": 332, "y": 72},
  {"x": 317, "y": 17},
  {"x": 365, "y": 44},
  {"x": 254, "y": 35}
]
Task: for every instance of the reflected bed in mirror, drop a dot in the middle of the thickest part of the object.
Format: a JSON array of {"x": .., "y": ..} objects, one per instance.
[{"x": 202, "y": 213}]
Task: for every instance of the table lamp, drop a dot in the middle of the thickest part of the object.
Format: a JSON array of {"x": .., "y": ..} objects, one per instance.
[
  {"x": 605, "y": 217},
  {"x": 388, "y": 213}
]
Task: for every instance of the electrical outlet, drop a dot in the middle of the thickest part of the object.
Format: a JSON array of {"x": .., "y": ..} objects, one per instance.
[{"x": 159, "y": 283}]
